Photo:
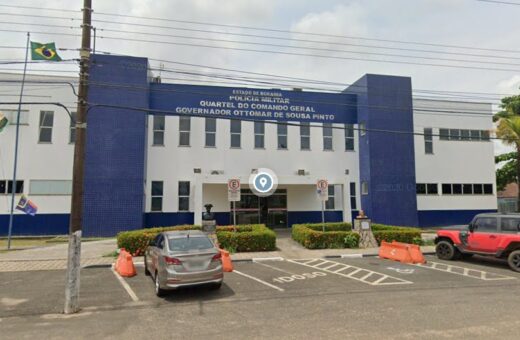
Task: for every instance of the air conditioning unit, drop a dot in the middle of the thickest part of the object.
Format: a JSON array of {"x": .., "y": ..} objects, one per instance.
[
  {"x": 197, "y": 170},
  {"x": 301, "y": 172},
  {"x": 156, "y": 80},
  {"x": 254, "y": 171},
  {"x": 217, "y": 172},
  {"x": 346, "y": 172}
]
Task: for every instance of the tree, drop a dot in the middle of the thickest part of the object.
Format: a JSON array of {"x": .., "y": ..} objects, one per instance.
[{"x": 508, "y": 130}]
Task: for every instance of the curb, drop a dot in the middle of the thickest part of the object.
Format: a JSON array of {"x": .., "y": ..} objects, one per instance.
[{"x": 341, "y": 256}]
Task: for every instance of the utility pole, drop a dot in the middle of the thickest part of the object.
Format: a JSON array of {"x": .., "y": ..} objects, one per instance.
[{"x": 76, "y": 211}]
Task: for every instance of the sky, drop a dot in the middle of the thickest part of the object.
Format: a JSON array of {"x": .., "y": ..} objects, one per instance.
[{"x": 466, "y": 23}]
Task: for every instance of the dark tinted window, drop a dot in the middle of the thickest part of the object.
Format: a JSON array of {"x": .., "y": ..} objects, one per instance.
[
  {"x": 444, "y": 134},
  {"x": 2, "y": 187},
  {"x": 446, "y": 188},
  {"x": 467, "y": 188},
  {"x": 421, "y": 188},
  {"x": 432, "y": 188},
  {"x": 189, "y": 243},
  {"x": 477, "y": 189},
  {"x": 160, "y": 242},
  {"x": 488, "y": 189},
  {"x": 510, "y": 224},
  {"x": 486, "y": 224}
]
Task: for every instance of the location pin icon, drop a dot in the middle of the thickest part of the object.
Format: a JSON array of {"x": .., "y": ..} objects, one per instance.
[{"x": 263, "y": 182}]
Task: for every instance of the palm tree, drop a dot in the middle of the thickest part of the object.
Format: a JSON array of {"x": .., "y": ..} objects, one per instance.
[{"x": 508, "y": 130}]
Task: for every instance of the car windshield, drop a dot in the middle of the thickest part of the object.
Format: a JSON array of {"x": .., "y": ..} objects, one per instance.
[{"x": 189, "y": 243}]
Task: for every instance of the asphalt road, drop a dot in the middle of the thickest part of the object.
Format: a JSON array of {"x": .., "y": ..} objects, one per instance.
[{"x": 349, "y": 298}]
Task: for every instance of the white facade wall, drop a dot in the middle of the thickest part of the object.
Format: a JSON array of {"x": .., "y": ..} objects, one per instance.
[{"x": 454, "y": 161}]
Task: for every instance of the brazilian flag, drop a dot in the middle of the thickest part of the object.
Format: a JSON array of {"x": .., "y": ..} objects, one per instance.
[{"x": 44, "y": 52}]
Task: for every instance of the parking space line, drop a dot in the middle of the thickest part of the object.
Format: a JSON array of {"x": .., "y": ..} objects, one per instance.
[
  {"x": 275, "y": 268},
  {"x": 125, "y": 285},
  {"x": 334, "y": 265},
  {"x": 464, "y": 271},
  {"x": 381, "y": 279},
  {"x": 259, "y": 280}
]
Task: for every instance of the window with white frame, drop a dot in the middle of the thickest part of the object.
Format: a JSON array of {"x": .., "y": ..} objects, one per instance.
[
  {"x": 72, "y": 128},
  {"x": 349, "y": 137},
  {"x": 329, "y": 204},
  {"x": 184, "y": 196},
  {"x": 426, "y": 189},
  {"x": 46, "y": 124},
  {"x": 364, "y": 188},
  {"x": 6, "y": 187},
  {"x": 305, "y": 136},
  {"x": 50, "y": 187},
  {"x": 158, "y": 130},
  {"x": 353, "y": 205},
  {"x": 184, "y": 130},
  {"x": 236, "y": 131},
  {"x": 327, "y": 136},
  {"x": 157, "y": 195},
  {"x": 259, "y": 135},
  {"x": 282, "y": 135},
  {"x": 211, "y": 132}
]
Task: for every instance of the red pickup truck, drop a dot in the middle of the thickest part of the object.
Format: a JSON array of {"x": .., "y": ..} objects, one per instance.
[{"x": 490, "y": 234}]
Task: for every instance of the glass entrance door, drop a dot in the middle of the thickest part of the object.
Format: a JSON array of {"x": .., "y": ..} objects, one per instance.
[{"x": 271, "y": 210}]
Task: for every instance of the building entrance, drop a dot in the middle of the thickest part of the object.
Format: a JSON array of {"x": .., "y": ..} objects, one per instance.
[{"x": 271, "y": 210}]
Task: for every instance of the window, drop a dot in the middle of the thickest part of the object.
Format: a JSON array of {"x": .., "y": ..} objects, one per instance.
[
  {"x": 158, "y": 130},
  {"x": 362, "y": 129},
  {"x": 364, "y": 188},
  {"x": 211, "y": 132},
  {"x": 186, "y": 244},
  {"x": 236, "y": 129},
  {"x": 428, "y": 141},
  {"x": 329, "y": 204},
  {"x": 282, "y": 136},
  {"x": 467, "y": 189},
  {"x": 484, "y": 135},
  {"x": 160, "y": 242},
  {"x": 50, "y": 187},
  {"x": 259, "y": 135},
  {"x": 46, "y": 123},
  {"x": 305, "y": 136},
  {"x": 6, "y": 187},
  {"x": 349, "y": 137},
  {"x": 486, "y": 224},
  {"x": 184, "y": 131},
  {"x": 157, "y": 195},
  {"x": 353, "y": 205},
  {"x": 475, "y": 135},
  {"x": 426, "y": 189},
  {"x": 454, "y": 134},
  {"x": 509, "y": 224},
  {"x": 464, "y": 135},
  {"x": 72, "y": 132},
  {"x": 327, "y": 136},
  {"x": 184, "y": 196},
  {"x": 444, "y": 134}
]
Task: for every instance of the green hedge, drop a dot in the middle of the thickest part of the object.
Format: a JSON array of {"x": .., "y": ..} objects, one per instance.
[
  {"x": 336, "y": 235},
  {"x": 246, "y": 238},
  {"x": 340, "y": 235}
]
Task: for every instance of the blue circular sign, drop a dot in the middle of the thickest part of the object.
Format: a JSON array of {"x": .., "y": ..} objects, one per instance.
[{"x": 263, "y": 182}]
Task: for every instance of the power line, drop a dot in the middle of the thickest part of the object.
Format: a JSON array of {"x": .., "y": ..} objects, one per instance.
[{"x": 501, "y": 2}]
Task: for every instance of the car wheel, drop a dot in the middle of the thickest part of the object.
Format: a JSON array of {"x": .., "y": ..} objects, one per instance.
[
  {"x": 146, "y": 271},
  {"x": 514, "y": 260},
  {"x": 158, "y": 290},
  {"x": 445, "y": 250}
]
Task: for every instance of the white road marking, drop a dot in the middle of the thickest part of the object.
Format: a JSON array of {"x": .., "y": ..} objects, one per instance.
[
  {"x": 258, "y": 259},
  {"x": 463, "y": 271},
  {"x": 352, "y": 256},
  {"x": 380, "y": 279},
  {"x": 258, "y": 280},
  {"x": 125, "y": 285},
  {"x": 275, "y": 268}
]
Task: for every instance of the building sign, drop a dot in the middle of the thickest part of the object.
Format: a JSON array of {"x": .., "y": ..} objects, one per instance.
[
  {"x": 234, "y": 190},
  {"x": 322, "y": 189},
  {"x": 254, "y": 104}
]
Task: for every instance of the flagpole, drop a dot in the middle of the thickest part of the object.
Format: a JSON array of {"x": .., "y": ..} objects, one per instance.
[{"x": 13, "y": 186}]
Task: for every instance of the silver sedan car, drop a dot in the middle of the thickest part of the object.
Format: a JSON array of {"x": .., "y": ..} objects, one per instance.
[{"x": 183, "y": 258}]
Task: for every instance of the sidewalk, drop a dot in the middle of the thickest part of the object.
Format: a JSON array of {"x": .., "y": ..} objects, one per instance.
[{"x": 55, "y": 257}]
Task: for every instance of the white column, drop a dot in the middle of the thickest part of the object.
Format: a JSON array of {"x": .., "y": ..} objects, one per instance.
[
  {"x": 347, "y": 215},
  {"x": 197, "y": 200}
]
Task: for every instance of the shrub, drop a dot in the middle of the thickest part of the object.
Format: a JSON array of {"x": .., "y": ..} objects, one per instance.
[
  {"x": 391, "y": 233},
  {"x": 246, "y": 238},
  {"x": 254, "y": 237},
  {"x": 336, "y": 235}
]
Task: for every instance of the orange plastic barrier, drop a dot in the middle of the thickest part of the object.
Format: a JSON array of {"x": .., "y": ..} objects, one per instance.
[
  {"x": 227, "y": 265},
  {"x": 395, "y": 251},
  {"x": 416, "y": 254},
  {"x": 402, "y": 252},
  {"x": 125, "y": 265}
]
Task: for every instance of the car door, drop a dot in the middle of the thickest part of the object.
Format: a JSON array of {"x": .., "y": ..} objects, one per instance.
[
  {"x": 485, "y": 235},
  {"x": 152, "y": 253}
]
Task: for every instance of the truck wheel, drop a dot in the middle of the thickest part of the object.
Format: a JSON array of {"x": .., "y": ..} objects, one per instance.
[
  {"x": 446, "y": 251},
  {"x": 514, "y": 260}
]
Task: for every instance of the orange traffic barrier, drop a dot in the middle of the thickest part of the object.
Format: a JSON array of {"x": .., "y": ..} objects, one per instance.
[
  {"x": 125, "y": 265},
  {"x": 416, "y": 254},
  {"x": 227, "y": 265},
  {"x": 395, "y": 251}
]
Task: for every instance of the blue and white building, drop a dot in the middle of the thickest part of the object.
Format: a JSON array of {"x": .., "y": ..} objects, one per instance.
[{"x": 162, "y": 151}]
